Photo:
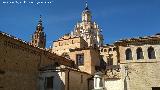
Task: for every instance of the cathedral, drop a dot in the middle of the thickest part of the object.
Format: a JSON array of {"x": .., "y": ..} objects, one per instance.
[{"x": 79, "y": 60}]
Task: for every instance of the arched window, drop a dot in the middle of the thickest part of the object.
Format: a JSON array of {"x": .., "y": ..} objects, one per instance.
[
  {"x": 128, "y": 54},
  {"x": 151, "y": 53},
  {"x": 101, "y": 50},
  {"x": 72, "y": 42},
  {"x": 139, "y": 53},
  {"x": 114, "y": 49},
  {"x": 110, "y": 49},
  {"x": 105, "y": 50}
]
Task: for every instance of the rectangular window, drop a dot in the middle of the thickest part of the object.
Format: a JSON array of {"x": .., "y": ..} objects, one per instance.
[
  {"x": 155, "y": 88},
  {"x": 80, "y": 59},
  {"x": 48, "y": 83}
]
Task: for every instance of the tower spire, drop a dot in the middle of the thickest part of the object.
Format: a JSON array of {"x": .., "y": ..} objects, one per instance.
[
  {"x": 86, "y": 8},
  {"x": 86, "y": 14},
  {"x": 39, "y": 37},
  {"x": 40, "y": 18},
  {"x": 40, "y": 21}
]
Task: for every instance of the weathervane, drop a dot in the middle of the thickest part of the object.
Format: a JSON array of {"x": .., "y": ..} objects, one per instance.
[{"x": 86, "y": 8}]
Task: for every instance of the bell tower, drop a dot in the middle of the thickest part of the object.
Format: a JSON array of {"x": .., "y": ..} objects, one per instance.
[
  {"x": 88, "y": 29},
  {"x": 39, "y": 37},
  {"x": 86, "y": 14}
]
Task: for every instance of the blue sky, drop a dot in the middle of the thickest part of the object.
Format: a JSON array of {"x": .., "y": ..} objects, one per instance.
[{"x": 118, "y": 18}]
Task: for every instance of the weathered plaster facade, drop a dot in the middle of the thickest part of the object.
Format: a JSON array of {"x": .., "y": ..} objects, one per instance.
[{"x": 65, "y": 78}]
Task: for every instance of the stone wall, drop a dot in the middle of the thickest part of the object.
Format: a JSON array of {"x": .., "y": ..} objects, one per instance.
[
  {"x": 136, "y": 74},
  {"x": 20, "y": 67},
  {"x": 140, "y": 74},
  {"x": 19, "y": 63}
]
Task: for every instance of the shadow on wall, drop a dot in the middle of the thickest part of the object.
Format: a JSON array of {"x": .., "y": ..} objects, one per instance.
[{"x": 102, "y": 63}]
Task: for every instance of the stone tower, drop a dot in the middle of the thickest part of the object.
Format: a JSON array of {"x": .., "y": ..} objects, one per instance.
[
  {"x": 39, "y": 37},
  {"x": 88, "y": 30}
]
